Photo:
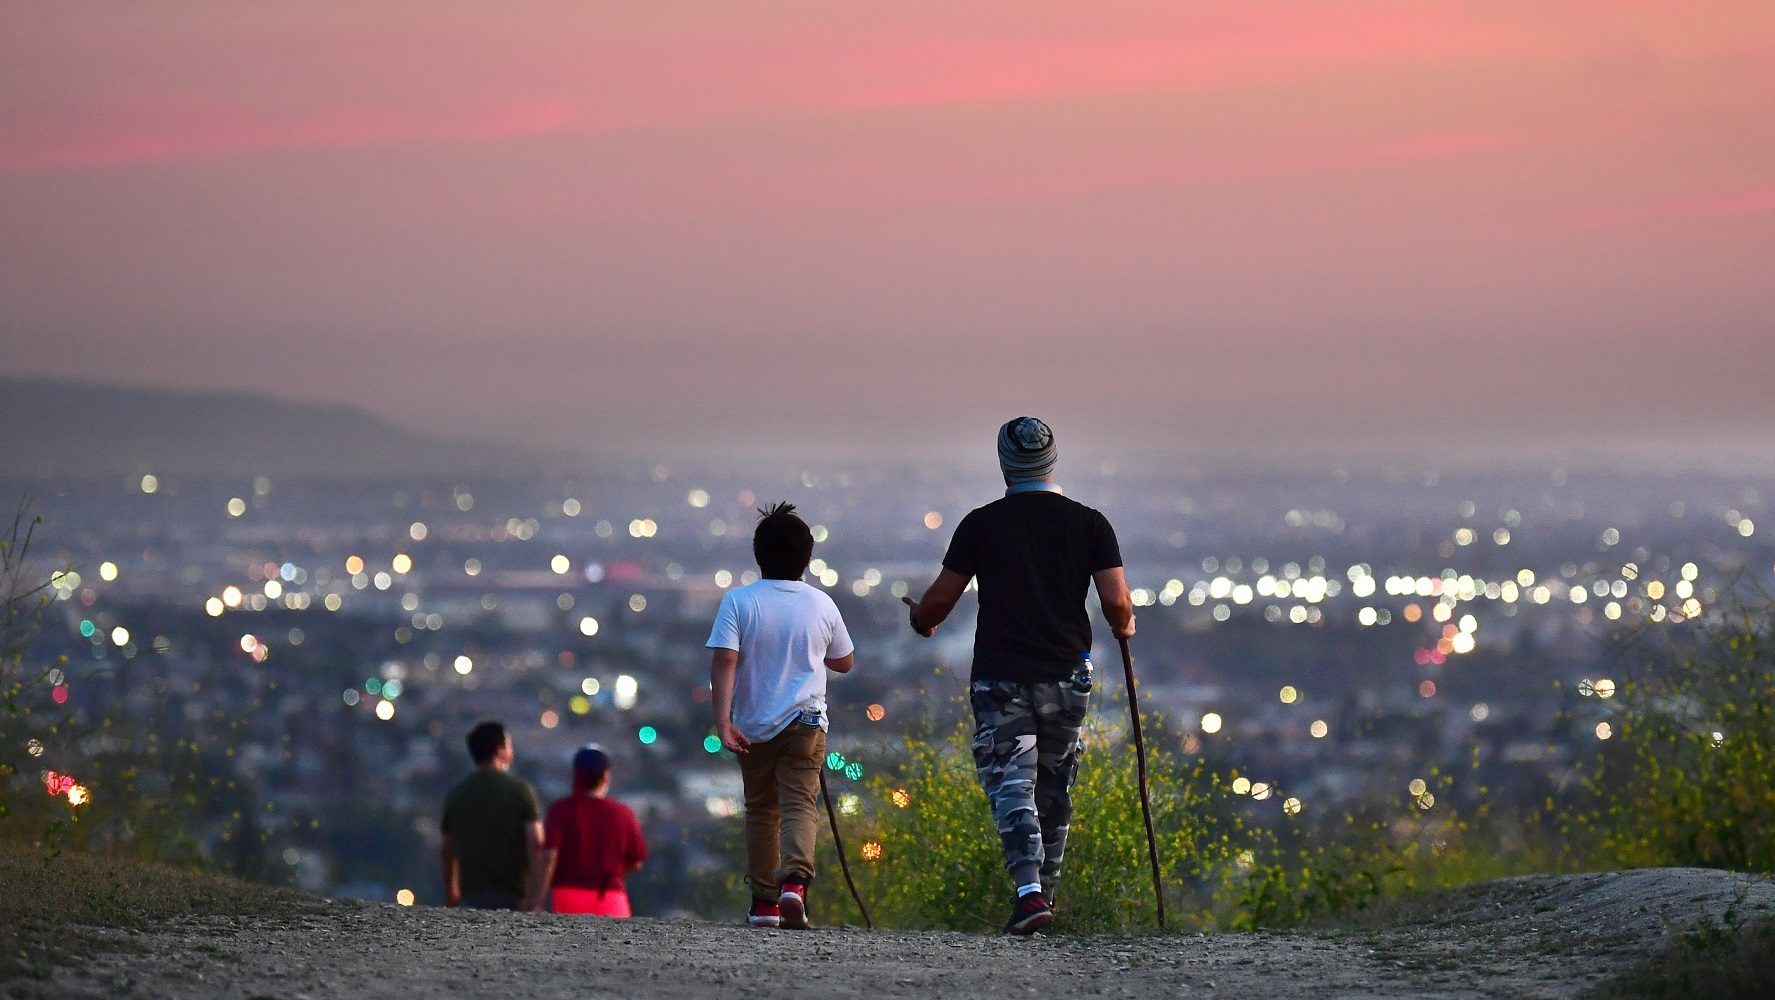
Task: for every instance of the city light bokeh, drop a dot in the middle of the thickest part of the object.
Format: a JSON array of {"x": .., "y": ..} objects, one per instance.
[{"x": 1322, "y": 649}]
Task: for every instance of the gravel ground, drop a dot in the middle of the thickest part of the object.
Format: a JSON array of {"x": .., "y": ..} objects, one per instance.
[{"x": 1521, "y": 938}]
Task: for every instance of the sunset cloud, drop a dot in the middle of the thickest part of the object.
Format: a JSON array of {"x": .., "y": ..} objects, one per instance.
[
  {"x": 1753, "y": 202},
  {"x": 1246, "y": 48},
  {"x": 232, "y": 92},
  {"x": 142, "y": 132},
  {"x": 635, "y": 211}
]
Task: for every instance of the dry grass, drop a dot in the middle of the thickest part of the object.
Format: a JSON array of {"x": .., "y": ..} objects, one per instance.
[
  {"x": 50, "y": 903},
  {"x": 1721, "y": 961}
]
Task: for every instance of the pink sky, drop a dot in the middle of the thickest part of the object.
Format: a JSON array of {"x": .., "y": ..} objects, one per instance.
[{"x": 821, "y": 228}]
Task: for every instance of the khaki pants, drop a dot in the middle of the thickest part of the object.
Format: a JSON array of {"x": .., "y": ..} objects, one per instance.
[{"x": 782, "y": 782}]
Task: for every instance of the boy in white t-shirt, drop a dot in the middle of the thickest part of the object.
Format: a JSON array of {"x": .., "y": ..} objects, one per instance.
[{"x": 773, "y": 642}]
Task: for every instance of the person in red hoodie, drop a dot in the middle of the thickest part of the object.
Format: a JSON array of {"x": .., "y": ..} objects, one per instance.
[{"x": 590, "y": 842}]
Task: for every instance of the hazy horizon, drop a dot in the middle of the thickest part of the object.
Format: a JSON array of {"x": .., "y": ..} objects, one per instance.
[
  {"x": 59, "y": 428},
  {"x": 1384, "y": 230}
]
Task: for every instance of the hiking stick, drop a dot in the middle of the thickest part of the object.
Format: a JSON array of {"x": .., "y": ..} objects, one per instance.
[
  {"x": 838, "y": 842},
  {"x": 1146, "y": 805}
]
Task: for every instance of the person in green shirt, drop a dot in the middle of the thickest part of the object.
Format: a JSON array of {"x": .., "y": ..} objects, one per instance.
[{"x": 492, "y": 829}]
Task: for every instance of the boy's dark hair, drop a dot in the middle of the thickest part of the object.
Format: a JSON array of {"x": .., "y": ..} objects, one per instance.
[
  {"x": 590, "y": 765},
  {"x": 485, "y": 741},
  {"x": 782, "y": 544}
]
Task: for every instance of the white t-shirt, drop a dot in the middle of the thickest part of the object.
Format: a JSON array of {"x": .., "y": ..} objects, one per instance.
[{"x": 784, "y": 631}]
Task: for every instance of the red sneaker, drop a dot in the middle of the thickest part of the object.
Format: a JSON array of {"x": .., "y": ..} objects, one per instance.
[
  {"x": 1030, "y": 913},
  {"x": 763, "y": 914},
  {"x": 793, "y": 902}
]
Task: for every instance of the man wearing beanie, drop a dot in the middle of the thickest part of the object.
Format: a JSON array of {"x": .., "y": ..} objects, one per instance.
[{"x": 1034, "y": 552}]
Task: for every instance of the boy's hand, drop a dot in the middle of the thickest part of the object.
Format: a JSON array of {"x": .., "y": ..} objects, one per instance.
[
  {"x": 1126, "y": 631},
  {"x": 912, "y": 617},
  {"x": 732, "y": 738}
]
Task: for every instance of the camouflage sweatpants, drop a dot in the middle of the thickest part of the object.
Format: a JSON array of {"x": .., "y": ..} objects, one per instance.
[{"x": 1026, "y": 750}]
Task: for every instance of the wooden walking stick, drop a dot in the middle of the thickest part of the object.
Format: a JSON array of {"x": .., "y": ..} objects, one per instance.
[
  {"x": 838, "y": 842},
  {"x": 1146, "y": 805}
]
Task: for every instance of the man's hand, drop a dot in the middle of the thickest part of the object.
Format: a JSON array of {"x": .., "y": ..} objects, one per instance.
[
  {"x": 1126, "y": 631},
  {"x": 451, "y": 868},
  {"x": 723, "y": 664},
  {"x": 912, "y": 618},
  {"x": 732, "y": 738}
]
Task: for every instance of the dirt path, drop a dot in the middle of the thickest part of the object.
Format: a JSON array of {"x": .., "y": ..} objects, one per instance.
[{"x": 1521, "y": 938}]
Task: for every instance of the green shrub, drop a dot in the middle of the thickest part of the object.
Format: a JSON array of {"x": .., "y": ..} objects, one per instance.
[
  {"x": 29, "y": 719},
  {"x": 1349, "y": 862},
  {"x": 1319, "y": 881},
  {"x": 941, "y": 866},
  {"x": 1685, "y": 778},
  {"x": 144, "y": 783},
  {"x": 927, "y": 854}
]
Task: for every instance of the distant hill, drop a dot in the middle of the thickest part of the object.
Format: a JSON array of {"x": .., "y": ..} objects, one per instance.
[{"x": 52, "y": 427}]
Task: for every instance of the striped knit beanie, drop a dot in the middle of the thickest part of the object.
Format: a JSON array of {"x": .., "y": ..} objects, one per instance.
[{"x": 1025, "y": 450}]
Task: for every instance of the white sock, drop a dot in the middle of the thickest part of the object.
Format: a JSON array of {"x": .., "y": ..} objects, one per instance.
[{"x": 1024, "y": 890}]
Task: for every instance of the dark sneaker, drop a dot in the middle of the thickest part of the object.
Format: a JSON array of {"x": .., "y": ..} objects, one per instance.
[
  {"x": 1029, "y": 914},
  {"x": 763, "y": 914},
  {"x": 793, "y": 903}
]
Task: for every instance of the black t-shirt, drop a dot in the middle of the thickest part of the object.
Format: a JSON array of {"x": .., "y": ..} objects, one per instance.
[
  {"x": 486, "y": 817},
  {"x": 1033, "y": 554}
]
